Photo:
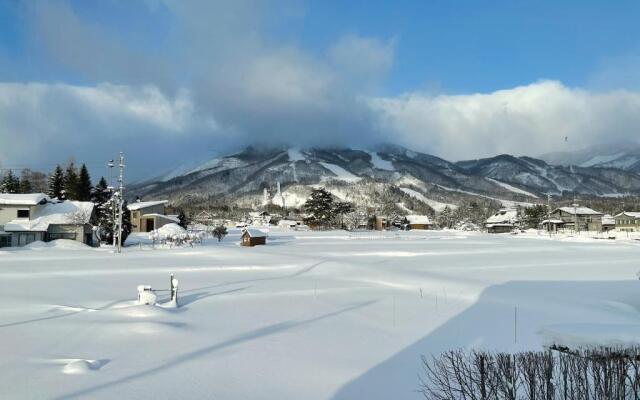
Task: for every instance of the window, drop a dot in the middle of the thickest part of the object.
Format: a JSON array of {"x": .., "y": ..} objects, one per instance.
[
  {"x": 62, "y": 235},
  {"x": 23, "y": 213},
  {"x": 5, "y": 241}
]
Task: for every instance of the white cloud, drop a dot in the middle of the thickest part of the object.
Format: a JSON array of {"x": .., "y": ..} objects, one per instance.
[
  {"x": 366, "y": 60},
  {"x": 221, "y": 64},
  {"x": 527, "y": 120},
  {"x": 47, "y": 123}
]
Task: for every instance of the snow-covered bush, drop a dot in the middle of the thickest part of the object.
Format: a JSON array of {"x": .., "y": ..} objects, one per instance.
[{"x": 175, "y": 235}]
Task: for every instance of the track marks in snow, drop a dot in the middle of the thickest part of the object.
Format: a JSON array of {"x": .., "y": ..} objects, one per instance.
[{"x": 177, "y": 361}]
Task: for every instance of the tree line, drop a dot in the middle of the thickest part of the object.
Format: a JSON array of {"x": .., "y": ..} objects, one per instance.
[
  {"x": 71, "y": 183},
  {"x": 558, "y": 373}
]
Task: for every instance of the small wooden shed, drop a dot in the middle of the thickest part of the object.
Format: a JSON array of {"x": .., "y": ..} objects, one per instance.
[{"x": 253, "y": 237}]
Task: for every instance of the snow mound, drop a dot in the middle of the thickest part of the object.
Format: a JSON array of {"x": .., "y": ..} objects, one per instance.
[
  {"x": 170, "y": 230},
  {"x": 60, "y": 244},
  {"x": 81, "y": 366}
]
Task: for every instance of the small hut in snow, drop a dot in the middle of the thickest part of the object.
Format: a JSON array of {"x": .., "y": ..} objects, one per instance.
[
  {"x": 253, "y": 237},
  {"x": 418, "y": 222}
]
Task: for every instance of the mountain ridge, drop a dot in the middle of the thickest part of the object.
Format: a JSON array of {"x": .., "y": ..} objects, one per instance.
[{"x": 241, "y": 177}]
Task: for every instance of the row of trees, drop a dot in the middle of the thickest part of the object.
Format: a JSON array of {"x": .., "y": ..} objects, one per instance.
[
  {"x": 583, "y": 374},
  {"x": 71, "y": 183},
  {"x": 28, "y": 182}
]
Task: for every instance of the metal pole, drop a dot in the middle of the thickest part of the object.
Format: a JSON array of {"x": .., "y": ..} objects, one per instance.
[
  {"x": 575, "y": 217},
  {"x": 549, "y": 213},
  {"x": 121, "y": 200},
  {"x": 171, "y": 286}
]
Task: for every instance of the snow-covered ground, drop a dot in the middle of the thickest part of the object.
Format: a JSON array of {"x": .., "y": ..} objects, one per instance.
[
  {"x": 340, "y": 173},
  {"x": 436, "y": 205},
  {"x": 312, "y": 315}
]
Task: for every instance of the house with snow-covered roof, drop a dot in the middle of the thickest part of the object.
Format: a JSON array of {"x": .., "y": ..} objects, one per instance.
[
  {"x": 253, "y": 237},
  {"x": 26, "y": 218},
  {"x": 147, "y": 216},
  {"x": 628, "y": 221},
  {"x": 586, "y": 218},
  {"x": 503, "y": 221},
  {"x": 415, "y": 221}
]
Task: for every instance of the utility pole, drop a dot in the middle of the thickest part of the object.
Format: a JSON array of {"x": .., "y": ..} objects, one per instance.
[
  {"x": 549, "y": 213},
  {"x": 575, "y": 216},
  {"x": 110, "y": 165},
  {"x": 120, "y": 200}
]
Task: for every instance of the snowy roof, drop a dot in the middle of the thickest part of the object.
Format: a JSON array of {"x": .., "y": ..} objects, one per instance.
[
  {"x": 26, "y": 199},
  {"x": 418, "y": 219},
  {"x": 287, "y": 222},
  {"x": 553, "y": 221},
  {"x": 578, "y": 210},
  {"x": 499, "y": 224},
  {"x": 503, "y": 216},
  {"x": 254, "y": 232},
  {"x": 64, "y": 213},
  {"x": 144, "y": 204},
  {"x": 609, "y": 220},
  {"x": 632, "y": 214}
]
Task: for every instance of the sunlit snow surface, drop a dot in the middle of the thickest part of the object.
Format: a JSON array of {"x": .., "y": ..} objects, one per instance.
[{"x": 308, "y": 316}]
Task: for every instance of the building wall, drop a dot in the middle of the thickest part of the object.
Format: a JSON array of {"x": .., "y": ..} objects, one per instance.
[
  {"x": 585, "y": 222},
  {"x": 10, "y": 212},
  {"x": 137, "y": 224},
  {"x": 16, "y": 236},
  {"x": 419, "y": 226},
  {"x": 627, "y": 224},
  {"x": 253, "y": 241},
  {"x": 135, "y": 221},
  {"x": 78, "y": 230}
]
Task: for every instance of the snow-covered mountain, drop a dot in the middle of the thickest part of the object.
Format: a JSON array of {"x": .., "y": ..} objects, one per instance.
[
  {"x": 365, "y": 176},
  {"x": 623, "y": 155}
]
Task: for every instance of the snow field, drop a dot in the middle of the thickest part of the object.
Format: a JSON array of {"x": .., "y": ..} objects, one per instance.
[{"x": 314, "y": 315}]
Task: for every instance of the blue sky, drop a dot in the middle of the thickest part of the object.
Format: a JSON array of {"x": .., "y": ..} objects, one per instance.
[
  {"x": 451, "y": 46},
  {"x": 224, "y": 74}
]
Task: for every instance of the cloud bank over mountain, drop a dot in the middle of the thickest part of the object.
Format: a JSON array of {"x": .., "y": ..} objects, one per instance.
[{"x": 212, "y": 76}]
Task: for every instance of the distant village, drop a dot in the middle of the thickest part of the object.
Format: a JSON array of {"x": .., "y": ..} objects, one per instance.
[{"x": 68, "y": 206}]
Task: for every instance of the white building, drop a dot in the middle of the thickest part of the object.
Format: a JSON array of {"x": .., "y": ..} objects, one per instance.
[{"x": 25, "y": 218}]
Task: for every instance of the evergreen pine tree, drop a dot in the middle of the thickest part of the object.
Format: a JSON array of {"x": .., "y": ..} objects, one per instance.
[
  {"x": 70, "y": 183},
  {"x": 126, "y": 222},
  {"x": 340, "y": 209},
  {"x": 107, "y": 224},
  {"x": 83, "y": 187},
  {"x": 56, "y": 183},
  {"x": 182, "y": 217},
  {"x": 10, "y": 183},
  {"x": 100, "y": 196},
  {"x": 25, "y": 185},
  {"x": 320, "y": 206}
]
